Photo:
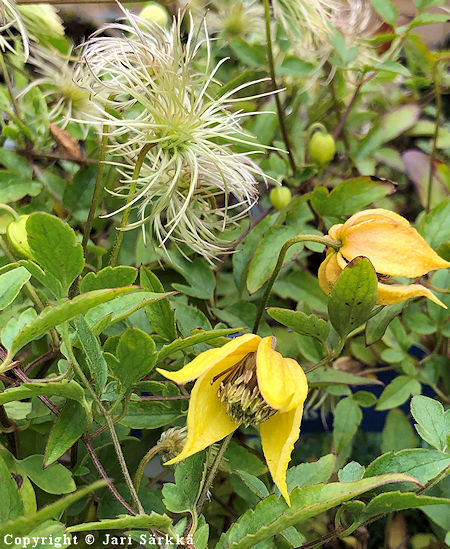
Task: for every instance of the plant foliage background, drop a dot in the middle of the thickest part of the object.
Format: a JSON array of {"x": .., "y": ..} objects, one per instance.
[{"x": 149, "y": 181}]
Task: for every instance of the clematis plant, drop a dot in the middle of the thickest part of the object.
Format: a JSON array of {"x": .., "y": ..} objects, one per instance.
[
  {"x": 394, "y": 248},
  {"x": 245, "y": 382}
]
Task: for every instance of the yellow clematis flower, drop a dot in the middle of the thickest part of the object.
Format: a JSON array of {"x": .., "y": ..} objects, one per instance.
[
  {"x": 245, "y": 382},
  {"x": 394, "y": 249}
]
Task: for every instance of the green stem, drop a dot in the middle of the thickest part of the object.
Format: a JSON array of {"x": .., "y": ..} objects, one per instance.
[
  {"x": 97, "y": 190},
  {"x": 126, "y": 213},
  {"x": 106, "y": 415},
  {"x": 9, "y": 210},
  {"x": 9, "y": 85},
  {"x": 280, "y": 111},
  {"x": 212, "y": 473},
  {"x": 437, "y": 91},
  {"x": 143, "y": 464},
  {"x": 295, "y": 240}
]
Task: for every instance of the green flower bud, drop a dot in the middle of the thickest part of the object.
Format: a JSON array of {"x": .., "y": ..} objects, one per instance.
[
  {"x": 321, "y": 148},
  {"x": 155, "y": 12},
  {"x": 17, "y": 237},
  {"x": 280, "y": 197}
]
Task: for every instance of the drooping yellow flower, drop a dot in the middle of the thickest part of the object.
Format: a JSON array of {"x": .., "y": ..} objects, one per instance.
[
  {"x": 394, "y": 249},
  {"x": 245, "y": 382}
]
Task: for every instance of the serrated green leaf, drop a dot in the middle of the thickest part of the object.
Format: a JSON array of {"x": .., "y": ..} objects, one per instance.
[
  {"x": 12, "y": 506},
  {"x": 136, "y": 357},
  {"x": 55, "y": 248},
  {"x": 273, "y": 515},
  {"x": 398, "y": 392},
  {"x": 433, "y": 424},
  {"x": 109, "y": 277},
  {"x": 423, "y": 464},
  {"x": 347, "y": 417},
  {"x": 54, "y": 479},
  {"x": 23, "y": 525},
  {"x": 202, "y": 337},
  {"x": 399, "y": 501},
  {"x": 54, "y": 315},
  {"x": 190, "y": 474},
  {"x": 69, "y": 426},
  {"x": 350, "y": 196},
  {"x": 67, "y": 389},
  {"x": 329, "y": 376},
  {"x": 10, "y": 284},
  {"x": 160, "y": 314},
  {"x": 308, "y": 474},
  {"x": 93, "y": 353},
  {"x": 154, "y": 520},
  {"x": 377, "y": 325},
  {"x": 309, "y": 325},
  {"x": 353, "y": 296}
]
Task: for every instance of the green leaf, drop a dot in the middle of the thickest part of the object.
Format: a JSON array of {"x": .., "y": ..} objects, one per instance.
[
  {"x": 433, "y": 424},
  {"x": 10, "y": 284},
  {"x": 423, "y": 464},
  {"x": 386, "y": 9},
  {"x": 104, "y": 315},
  {"x": 398, "y": 392},
  {"x": 46, "y": 278},
  {"x": 160, "y": 314},
  {"x": 190, "y": 474},
  {"x": 353, "y": 296},
  {"x": 154, "y": 520},
  {"x": 69, "y": 426},
  {"x": 347, "y": 417},
  {"x": 54, "y": 479},
  {"x": 26, "y": 490},
  {"x": 398, "y": 501},
  {"x": 351, "y": 472},
  {"x": 273, "y": 515},
  {"x": 435, "y": 227},
  {"x": 55, "y": 248},
  {"x": 392, "y": 66},
  {"x": 307, "y": 474},
  {"x": 199, "y": 275},
  {"x": 201, "y": 337},
  {"x": 109, "y": 277},
  {"x": 48, "y": 533},
  {"x": 309, "y": 325},
  {"x": 22, "y": 525},
  {"x": 377, "y": 325},
  {"x": 16, "y": 163},
  {"x": 294, "y": 66},
  {"x": 54, "y": 315},
  {"x": 390, "y": 126},
  {"x": 149, "y": 414},
  {"x": 329, "y": 376},
  {"x": 239, "y": 457},
  {"x": 14, "y": 325},
  {"x": 266, "y": 256},
  {"x": 398, "y": 433},
  {"x": 94, "y": 357},
  {"x": 254, "y": 484},
  {"x": 253, "y": 56},
  {"x": 11, "y": 506},
  {"x": 350, "y": 196},
  {"x": 424, "y": 4},
  {"x": 12, "y": 188},
  {"x": 67, "y": 389},
  {"x": 136, "y": 357}
]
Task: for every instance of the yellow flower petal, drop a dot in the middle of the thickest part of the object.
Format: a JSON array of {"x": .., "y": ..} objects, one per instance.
[
  {"x": 281, "y": 381},
  {"x": 226, "y": 356},
  {"x": 278, "y": 436},
  {"x": 329, "y": 272},
  {"x": 207, "y": 420},
  {"x": 393, "y": 246},
  {"x": 391, "y": 294}
]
